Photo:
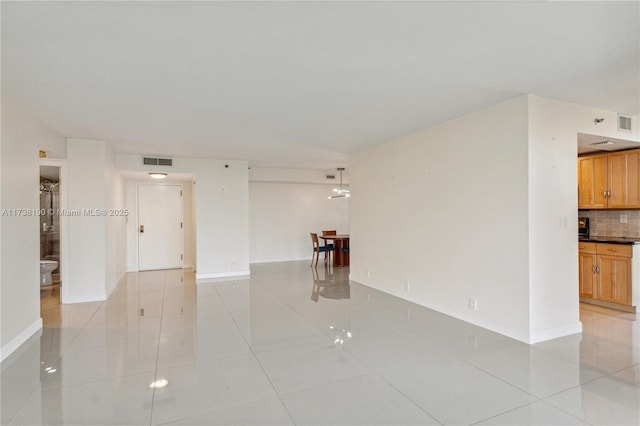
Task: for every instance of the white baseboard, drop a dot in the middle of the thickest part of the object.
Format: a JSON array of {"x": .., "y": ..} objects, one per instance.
[
  {"x": 308, "y": 259},
  {"x": 15, "y": 343},
  {"x": 528, "y": 338},
  {"x": 116, "y": 283},
  {"x": 221, "y": 275},
  {"x": 554, "y": 333},
  {"x": 84, "y": 299},
  {"x": 185, "y": 266}
]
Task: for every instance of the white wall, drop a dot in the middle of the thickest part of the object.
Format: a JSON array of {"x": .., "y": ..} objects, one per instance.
[
  {"x": 87, "y": 235},
  {"x": 1, "y": 226},
  {"x": 116, "y": 226},
  {"x": 222, "y": 211},
  {"x": 222, "y": 215},
  {"x": 275, "y": 174},
  {"x": 446, "y": 209},
  {"x": 22, "y": 137},
  {"x": 484, "y": 206},
  {"x": 97, "y": 244},
  {"x": 187, "y": 220},
  {"x": 281, "y": 216},
  {"x": 553, "y": 212}
]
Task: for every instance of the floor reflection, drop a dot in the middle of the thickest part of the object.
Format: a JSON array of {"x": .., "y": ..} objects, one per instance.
[
  {"x": 258, "y": 350},
  {"x": 330, "y": 283}
]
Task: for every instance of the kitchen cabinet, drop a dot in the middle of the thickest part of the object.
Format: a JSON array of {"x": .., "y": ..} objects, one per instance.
[
  {"x": 592, "y": 182},
  {"x": 605, "y": 272},
  {"x": 623, "y": 179},
  {"x": 587, "y": 262},
  {"x": 614, "y": 273},
  {"x": 609, "y": 181}
]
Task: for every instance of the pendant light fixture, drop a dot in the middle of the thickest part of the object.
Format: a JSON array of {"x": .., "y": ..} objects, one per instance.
[{"x": 339, "y": 192}]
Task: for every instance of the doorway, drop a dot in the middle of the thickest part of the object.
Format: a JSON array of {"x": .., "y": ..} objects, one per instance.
[
  {"x": 160, "y": 226},
  {"x": 52, "y": 225}
]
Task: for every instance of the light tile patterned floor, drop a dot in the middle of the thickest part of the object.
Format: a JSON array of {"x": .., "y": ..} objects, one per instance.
[{"x": 289, "y": 346}]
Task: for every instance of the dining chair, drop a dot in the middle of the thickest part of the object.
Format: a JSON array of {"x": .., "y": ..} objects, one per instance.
[
  {"x": 317, "y": 249},
  {"x": 329, "y": 232},
  {"x": 329, "y": 243}
]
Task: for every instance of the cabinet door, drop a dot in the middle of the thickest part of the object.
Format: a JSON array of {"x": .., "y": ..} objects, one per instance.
[
  {"x": 592, "y": 181},
  {"x": 624, "y": 179},
  {"x": 614, "y": 279},
  {"x": 587, "y": 274}
]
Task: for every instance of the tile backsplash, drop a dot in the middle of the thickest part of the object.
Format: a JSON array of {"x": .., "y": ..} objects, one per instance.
[{"x": 606, "y": 223}]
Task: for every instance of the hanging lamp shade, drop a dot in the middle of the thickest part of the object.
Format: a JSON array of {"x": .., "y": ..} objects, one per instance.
[{"x": 340, "y": 192}]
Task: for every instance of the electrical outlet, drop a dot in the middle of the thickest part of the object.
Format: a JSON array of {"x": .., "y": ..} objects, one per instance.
[
  {"x": 623, "y": 218},
  {"x": 473, "y": 304}
]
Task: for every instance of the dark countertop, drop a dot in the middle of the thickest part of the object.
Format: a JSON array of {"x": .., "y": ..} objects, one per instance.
[{"x": 611, "y": 240}]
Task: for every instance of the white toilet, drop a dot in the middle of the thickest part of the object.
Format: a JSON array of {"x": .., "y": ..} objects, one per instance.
[{"x": 46, "y": 268}]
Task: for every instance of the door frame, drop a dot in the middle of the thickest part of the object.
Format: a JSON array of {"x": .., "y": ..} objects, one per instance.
[{"x": 137, "y": 227}]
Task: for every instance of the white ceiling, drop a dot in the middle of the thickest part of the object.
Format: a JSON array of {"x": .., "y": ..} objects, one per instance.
[
  {"x": 303, "y": 84},
  {"x": 593, "y": 143}
]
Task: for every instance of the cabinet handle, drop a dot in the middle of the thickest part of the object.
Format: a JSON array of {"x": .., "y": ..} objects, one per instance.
[
  {"x": 613, "y": 250},
  {"x": 593, "y": 268},
  {"x": 598, "y": 269}
]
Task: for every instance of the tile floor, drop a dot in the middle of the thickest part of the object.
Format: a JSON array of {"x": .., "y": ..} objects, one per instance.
[{"x": 290, "y": 346}]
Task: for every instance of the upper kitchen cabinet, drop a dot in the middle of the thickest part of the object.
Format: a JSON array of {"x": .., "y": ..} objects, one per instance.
[
  {"x": 592, "y": 182},
  {"x": 624, "y": 180},
  {"x": 609, "y": 181}
]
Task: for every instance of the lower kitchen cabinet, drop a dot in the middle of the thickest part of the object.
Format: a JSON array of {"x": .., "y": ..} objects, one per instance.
[
  {"x": 587, "y": 274},
  {"x": 614, "y": 279},
  {"x": 606, "y": 273}
]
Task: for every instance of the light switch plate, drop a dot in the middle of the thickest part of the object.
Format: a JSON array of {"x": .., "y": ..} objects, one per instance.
[{"x": 623, "y": 218}]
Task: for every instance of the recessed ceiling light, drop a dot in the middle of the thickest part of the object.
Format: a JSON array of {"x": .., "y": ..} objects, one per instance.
[
  {"x": 157, "y": 175},
  {"x": 159, "y": 384}
]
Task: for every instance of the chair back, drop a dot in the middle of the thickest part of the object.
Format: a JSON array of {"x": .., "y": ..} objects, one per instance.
[
  {"x": 314, "y": 240},
  {"x": 330, "y": 232}
]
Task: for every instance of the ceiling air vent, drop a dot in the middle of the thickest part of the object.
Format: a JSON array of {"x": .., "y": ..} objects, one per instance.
[
  {"x": 149, "y": 161},
  {"x": 624, "y": 123}
]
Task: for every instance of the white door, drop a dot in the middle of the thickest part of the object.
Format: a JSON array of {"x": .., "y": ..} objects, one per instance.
[{"x": 159, "y": 227}]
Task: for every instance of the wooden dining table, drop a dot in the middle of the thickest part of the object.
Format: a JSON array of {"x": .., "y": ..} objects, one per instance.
[{"x": 340, "y": 241}]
